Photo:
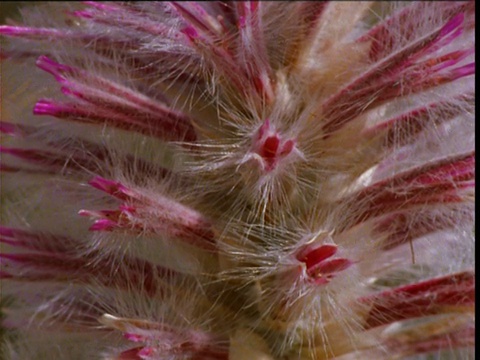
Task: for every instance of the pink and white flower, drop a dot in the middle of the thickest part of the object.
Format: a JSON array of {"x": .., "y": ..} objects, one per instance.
[{"x": 238, "y": 180}]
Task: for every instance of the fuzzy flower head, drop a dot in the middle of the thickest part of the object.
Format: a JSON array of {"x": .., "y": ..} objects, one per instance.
[{"x": 238, "y": 180}]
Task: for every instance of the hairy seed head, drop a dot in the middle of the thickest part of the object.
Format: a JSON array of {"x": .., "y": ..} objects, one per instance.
[{"x": 238, "y": 180}]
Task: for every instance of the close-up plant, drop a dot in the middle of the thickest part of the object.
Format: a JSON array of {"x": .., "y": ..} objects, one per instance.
[{"x": 238, "y": 180}]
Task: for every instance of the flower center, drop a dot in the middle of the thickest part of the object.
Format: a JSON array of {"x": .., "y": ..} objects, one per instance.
[
  {"x": 269, "y": 147},
  {"x": 320, "y": 267}
]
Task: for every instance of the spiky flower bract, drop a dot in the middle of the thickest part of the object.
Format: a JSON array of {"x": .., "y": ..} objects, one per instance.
[{"x": 238, "y": 180}]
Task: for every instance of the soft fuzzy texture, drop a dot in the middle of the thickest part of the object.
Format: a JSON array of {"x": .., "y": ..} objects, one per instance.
[{"x": 238, "y": 180}]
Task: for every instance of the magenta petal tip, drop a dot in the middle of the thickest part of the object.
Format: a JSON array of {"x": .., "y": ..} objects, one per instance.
[{"x": 103, "y": 225}]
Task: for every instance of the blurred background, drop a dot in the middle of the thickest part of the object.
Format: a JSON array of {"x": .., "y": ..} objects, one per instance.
[{"x": 10, "y": 9}]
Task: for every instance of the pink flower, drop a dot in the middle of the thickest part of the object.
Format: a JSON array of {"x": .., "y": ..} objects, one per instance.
[{"x": 238, "y": 180}]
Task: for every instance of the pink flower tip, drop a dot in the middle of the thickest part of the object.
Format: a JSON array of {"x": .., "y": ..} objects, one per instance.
[
  {"x": 270, "y": 147},
  {"x": 190, "y": 32},
  {"x": 312, "y": 256},
  {"x": 54, "y": 68},
  {"x": 46, "y": 107},
  {"x": 11, "y": 30},
  {"x": 103, "y": 225},
  {"x": 133, "y": 337},
  {"x": 320, "y": 267},
  {"x": 146, "y": 352}
]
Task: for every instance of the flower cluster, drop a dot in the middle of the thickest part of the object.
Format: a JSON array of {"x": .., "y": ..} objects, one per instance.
[{"x": 238, "y": 180}]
